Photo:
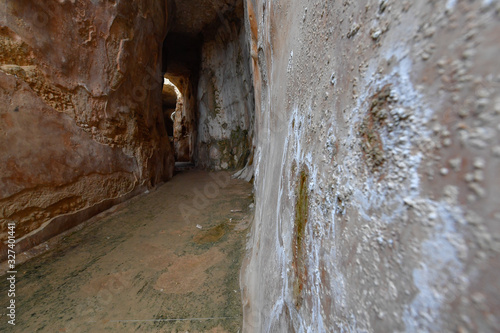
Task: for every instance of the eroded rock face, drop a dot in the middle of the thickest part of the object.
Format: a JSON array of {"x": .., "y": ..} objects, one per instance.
[
  {"x": 225, "y": 97},
  {"x": 210, "y": 66},
  {"x": 81, "y": 114},
  {"x": 193, "y": 16},
  {"x": 181, "y": 66},
  {"x": 377, "y": 165},
  {"x": 169, "y": 105},
  {"x": 185, "y": 118}
]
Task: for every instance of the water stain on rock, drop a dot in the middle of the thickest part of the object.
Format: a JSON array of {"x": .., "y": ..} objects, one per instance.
[
  {"x": 369, "y": 130},
  {"x": 299, "y": 255},
  {"x": 212, "y": 235}
]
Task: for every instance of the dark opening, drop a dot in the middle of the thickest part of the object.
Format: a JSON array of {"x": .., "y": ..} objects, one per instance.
[{"x": 181, "y": 61}]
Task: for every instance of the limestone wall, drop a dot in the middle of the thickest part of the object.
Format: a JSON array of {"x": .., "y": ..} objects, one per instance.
[
  {"x": 377, "y": 159},
  {"x": 80, "y": 107},
  {"x": 185, "y": 125},
  {"x": 225, "y": 96}
]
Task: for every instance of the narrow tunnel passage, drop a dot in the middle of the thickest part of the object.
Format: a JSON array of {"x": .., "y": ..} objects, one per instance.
[
  {"x": 171, "y": 96},
  {"x": 206, "y": 54},
  {"x": 181, "y": 59},
  {"x": 118, "y": 141},
  {"x": 166, "y": 256},
  {"x": 167, "y": 261},
  {"x": 369, "y": 129}
]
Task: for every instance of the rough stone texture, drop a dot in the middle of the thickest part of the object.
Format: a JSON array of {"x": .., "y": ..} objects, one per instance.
[
  {"x": 185, "y": 120},
  {"x": 193, "y": 16},
  {"x": 169, "y": 105},
  {"x": 377, "y": 158},
  {"x": 160, "y": 255},
  {"x": 191, "y": 20},
  {"x": 181, "y": 62},
  {"x": 169, "y": 95},
  {"x": 376, "y": 134},
  {"x": 225, "y": 97},
  {"x": 207, "y": 58},
  {"x": 81, "y": 118}
]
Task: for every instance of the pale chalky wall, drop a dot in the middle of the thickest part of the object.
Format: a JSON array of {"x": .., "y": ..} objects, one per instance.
[{"x": 377, "y": 159}]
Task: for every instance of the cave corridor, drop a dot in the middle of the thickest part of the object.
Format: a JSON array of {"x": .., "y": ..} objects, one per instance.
[{"x": 249, "y": 166}]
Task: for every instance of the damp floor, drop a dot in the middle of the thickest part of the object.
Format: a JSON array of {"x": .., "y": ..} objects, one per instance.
[{"x": 166, "y": 261}]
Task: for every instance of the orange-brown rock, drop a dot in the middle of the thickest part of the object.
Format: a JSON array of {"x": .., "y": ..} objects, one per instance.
[{"x": 81, "y": 119}]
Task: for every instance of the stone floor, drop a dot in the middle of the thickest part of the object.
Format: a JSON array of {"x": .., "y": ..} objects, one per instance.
[{"x": 167, "y": 261}]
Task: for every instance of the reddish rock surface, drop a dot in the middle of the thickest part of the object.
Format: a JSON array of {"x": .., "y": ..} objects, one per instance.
[{"x": 81, "y": 123}]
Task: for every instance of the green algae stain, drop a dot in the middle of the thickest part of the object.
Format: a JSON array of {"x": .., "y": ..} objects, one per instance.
[
  {"x": 299, "y": 252},
  {"x": 212, "y": 235}
]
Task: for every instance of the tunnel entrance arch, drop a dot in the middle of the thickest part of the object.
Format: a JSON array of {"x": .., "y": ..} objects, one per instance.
[
  {"x": 181, "y": 58},
  {"x": 206, "y": 54}
]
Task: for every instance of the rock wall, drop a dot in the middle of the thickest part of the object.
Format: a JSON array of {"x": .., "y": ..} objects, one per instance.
[
  {"x": 181, "y": 58},
  {"x": 377, "y": 159},
  {"x": 169, "y": 105},
  {"x": 185, "y": 130},
  {"x": 81, "y": 119},
  {"x": 225, "y": 96}
]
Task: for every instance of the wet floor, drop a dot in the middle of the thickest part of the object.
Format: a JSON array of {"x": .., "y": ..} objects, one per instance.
[{"x": 168, "y": 261}]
